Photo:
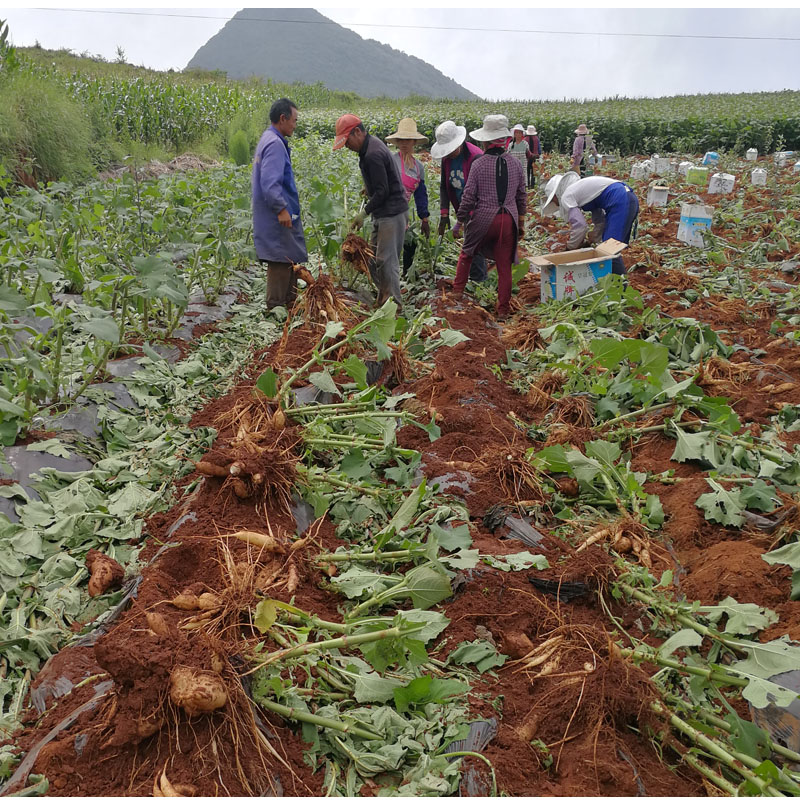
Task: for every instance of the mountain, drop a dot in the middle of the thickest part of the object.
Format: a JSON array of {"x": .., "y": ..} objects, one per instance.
[{"x": 300, "y": 45}]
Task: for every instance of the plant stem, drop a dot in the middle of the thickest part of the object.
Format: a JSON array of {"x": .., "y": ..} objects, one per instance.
[
  {"x": 483, "y": 758},
  {"x": 709, "y": 773},
  {"x": 636, "y": 413},
  {"x": 374, "y": 557},
  {"x": 712, "y": 675},
  {"x": 353, "y": 486},
  {"x": 332, "y": 644},
  {"x": 314, "y": 719}
]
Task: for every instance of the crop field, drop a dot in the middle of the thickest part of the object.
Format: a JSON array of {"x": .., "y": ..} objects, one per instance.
[{"x": 349, "y": 552}]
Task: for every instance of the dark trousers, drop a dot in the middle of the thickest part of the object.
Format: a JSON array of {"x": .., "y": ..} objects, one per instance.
[
  {"x": 502, "y": 238},
  {"x": 531, "y": 176},
  {"x": 281, "y": 284}
]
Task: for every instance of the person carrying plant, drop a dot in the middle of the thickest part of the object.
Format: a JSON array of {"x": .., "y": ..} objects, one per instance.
[
  {"x": 613, "y": 205},
  {"x": 412, "y": 174},
  {"x": 583, "y": 140},
  {"x": 534, "y": 153},
  {"x": 277, "y": 230},
  {"x": 386, "y": 202},
  {"x": 457, "y": 156},
  {"x": 492, "y": 209}
]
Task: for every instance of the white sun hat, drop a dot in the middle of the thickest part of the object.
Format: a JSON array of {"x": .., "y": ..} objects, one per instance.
[
  {"x": 495, "y": 126},
  {"x": 518, "y": 128},
  {"x": 554, "y": 189},
  {"x": 532, "y": 130},
  {"x": 449, "y": 136}
]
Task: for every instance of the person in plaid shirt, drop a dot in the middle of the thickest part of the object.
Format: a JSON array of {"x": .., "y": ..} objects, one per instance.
[{"x": 492, "y": 209}]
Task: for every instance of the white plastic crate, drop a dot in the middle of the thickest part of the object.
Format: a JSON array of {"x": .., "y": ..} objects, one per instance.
[
  {"x": 751, "y": 154},
  {"x": 759, "y": 177},
  {"x": 657, "y": 195}
]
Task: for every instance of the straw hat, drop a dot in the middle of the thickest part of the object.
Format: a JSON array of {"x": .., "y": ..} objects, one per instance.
[
  {"x": 495, "y": 126},
  {"x": 554, "y": 189},
  {"x": 407, "y": 129},
  {"x": 532, "y": 130},
  {"x": 581, "y": 129},
  {"x": 449, "y": 137}
]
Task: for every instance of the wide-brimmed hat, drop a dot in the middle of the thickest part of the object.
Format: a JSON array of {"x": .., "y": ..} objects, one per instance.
[
  {"x": 495, "y": 126},
  {"x": 344, "y": 127},
  {"x": 449, "y": 137},
  {"x": 581, "y": 129},
  {"x": 554, "y": 189},
  {"x": 518, "y": 128},
  {"x": 532, "y": 130},
  {"x": 407, "y": 129}
]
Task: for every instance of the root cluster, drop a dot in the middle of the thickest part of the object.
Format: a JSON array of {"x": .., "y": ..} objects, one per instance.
[
  {"x": 319, "y": 302},
  {"x": 357, "y": 252}
]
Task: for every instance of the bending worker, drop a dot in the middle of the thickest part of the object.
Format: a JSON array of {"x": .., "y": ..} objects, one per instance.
[{"x": 613, "y": 205}]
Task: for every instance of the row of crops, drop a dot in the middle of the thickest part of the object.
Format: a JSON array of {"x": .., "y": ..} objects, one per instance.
[{"x": 176, "y": 110}]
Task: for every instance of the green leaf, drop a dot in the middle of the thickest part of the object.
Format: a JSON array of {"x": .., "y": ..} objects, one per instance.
[
  {"x": 355, "y": 466},
  {"x": 12, "y": 300},
  {"x": 518, "y": 561},
  {"x": 789, "y": 554},
  {"x": 480, "y": 653},
  {"x": 332, "y": 330},
  {"x": 426, "y": 587},
  {"x": 268, "y": 382},
  {"x": 552, "y": 459},
  {"x": 683, "y": 638},
  {"x": 383, "y": 322},
  {"x": 760, "y": 496},
  {"x": 426, "y": 689},
  {"x": 52, "y": 446},
  {"x": 721, "y": 505},
  {"x": 357, "y": 370},
  {"x": 265, "y": 616},
  {"x": 372, "y": 688},
  {"x": 743, "y": 618},
  {"x": 403, "y": 516},
  {"x": 462, "y": 559},
  {"x": 104, "y": 328},
  {"x": 324, "y": 381},
  {"x": 435, "y": 622},
  {"x": 450, "y": 337},
  {"x": 697, "y": 447},
  {"x": 605, "y": 452},
  {"x": 457, "y": 538}
]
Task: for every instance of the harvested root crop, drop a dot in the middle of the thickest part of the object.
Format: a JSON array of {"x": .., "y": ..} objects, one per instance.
[
  {"x": 519, "y": 480},
  {"x": 522, "y": 334},
  {"x": 540, "y": 394},
  {"x": 357, "y": 252},
  {"x": 258, "y": 464},
  {"x": 320, "y": 303},
  {"x": 625, "y": 536},
  {"x": 104, "y": 571},
  {"x": 197, "y": 691},
  {"x": 574, "y": 409}
]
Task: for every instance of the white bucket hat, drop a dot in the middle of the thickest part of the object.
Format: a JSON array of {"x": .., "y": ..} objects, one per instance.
[
  {"x": 554, "y": 189},
  {"x": 531, "y": 130},
  {"x": 449, "y": 136},
  {"x": 518, "y": 128},
  {"x": 495, "y": 126}
]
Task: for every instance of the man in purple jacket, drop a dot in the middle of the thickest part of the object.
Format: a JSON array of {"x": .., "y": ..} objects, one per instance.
[{"x": 277, "y": 230}]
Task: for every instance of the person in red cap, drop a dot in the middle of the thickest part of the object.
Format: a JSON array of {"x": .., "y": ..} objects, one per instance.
[{"x": 386, "y": 202}]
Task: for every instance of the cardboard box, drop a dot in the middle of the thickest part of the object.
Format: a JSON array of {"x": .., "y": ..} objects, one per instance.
[
  {"x": 694, "y": 219},
  {"x": 574, "y": 272},
  {"x": 697, "y": 175}
]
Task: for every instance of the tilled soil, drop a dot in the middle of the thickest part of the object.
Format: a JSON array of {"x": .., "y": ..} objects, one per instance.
[{"x": 597, "y": 728}]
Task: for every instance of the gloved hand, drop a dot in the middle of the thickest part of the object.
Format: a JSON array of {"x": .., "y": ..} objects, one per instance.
[
  {"x": 594, "y": 236},
  {"x": 425, "y": 227},
  {"x": 457, "y": 231},
  {"x": 444, "y": 224},
  {"x": 358, "y": 221},
  {"x": 521, "y": 231}
]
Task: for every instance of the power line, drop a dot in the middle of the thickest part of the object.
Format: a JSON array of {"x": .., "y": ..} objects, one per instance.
[{"x": 433, "y": 27}]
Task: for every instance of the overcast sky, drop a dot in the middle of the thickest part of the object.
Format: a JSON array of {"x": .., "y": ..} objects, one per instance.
[{"x": 514, "y": 63}]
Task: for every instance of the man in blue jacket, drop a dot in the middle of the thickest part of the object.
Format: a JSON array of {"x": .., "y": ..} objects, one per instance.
[{"x": 277, "y": 230}]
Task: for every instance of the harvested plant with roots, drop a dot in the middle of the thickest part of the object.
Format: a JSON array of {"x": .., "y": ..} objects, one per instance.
[
  {"x": 319, "y": 302},
  {"x": 357, "y": 252}
]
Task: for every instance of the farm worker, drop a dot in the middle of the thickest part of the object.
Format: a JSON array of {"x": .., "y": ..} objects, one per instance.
[
  {"x": 583, "y": 140},
  {"x": 412, "y": 174},
  {"x": 386, "y": 202},
  {"x": 518, "y": 146},
  {"x": 277, "y": 230},
  {"x": 534, "y": 153},
  {"x": 457, "y": 156},
  {"x": 492, "y": 209},
  {"x": 613, "y": 205}
]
